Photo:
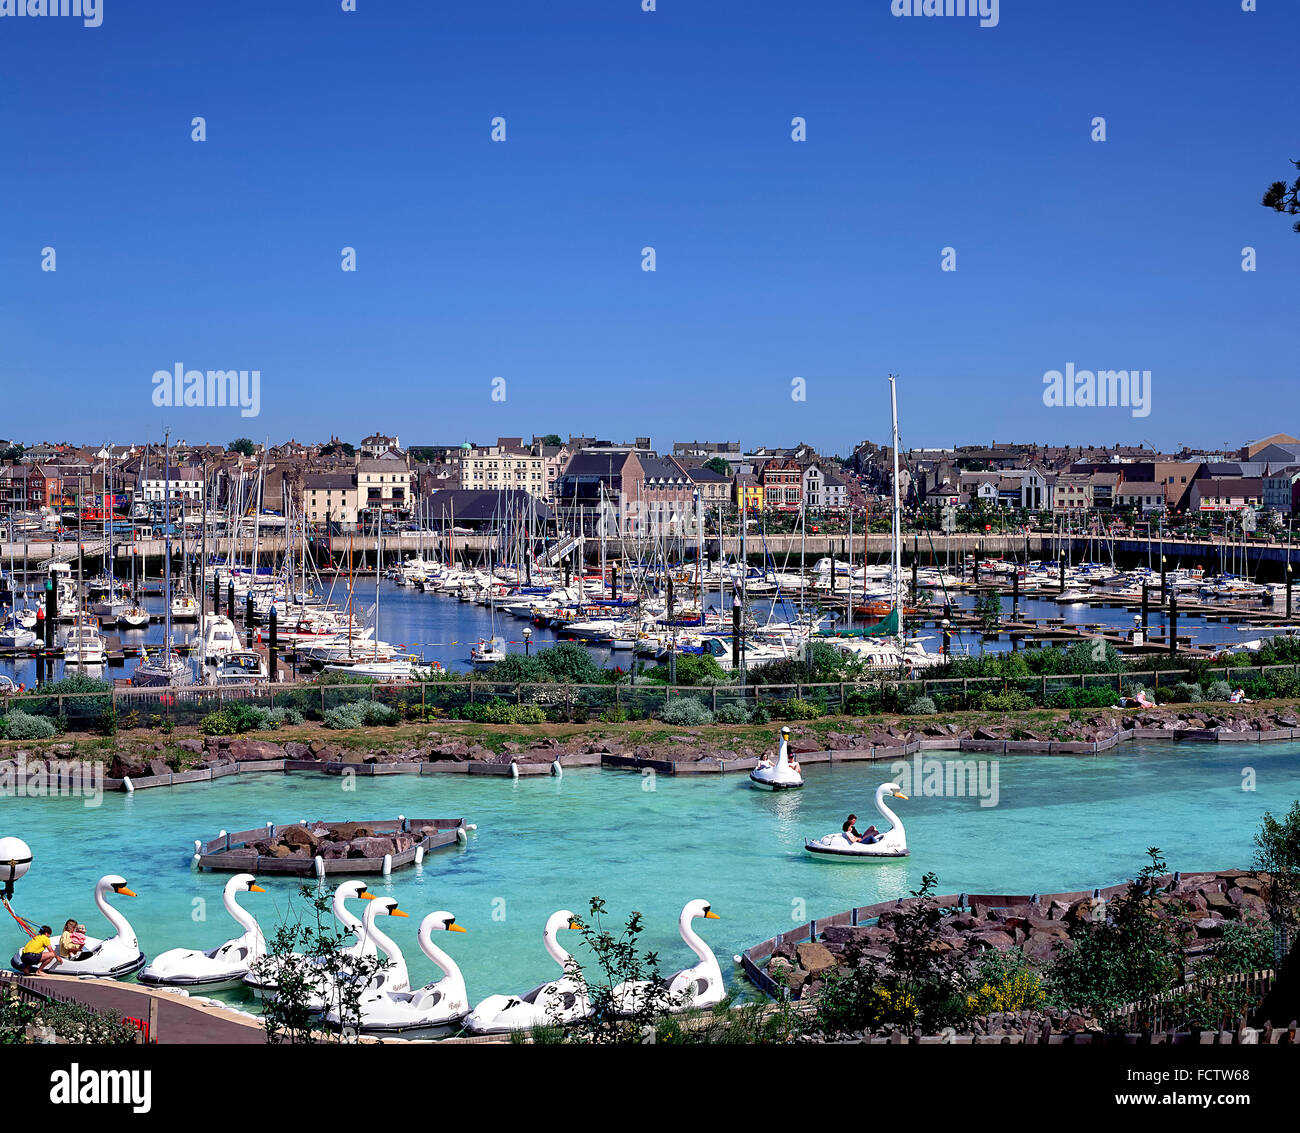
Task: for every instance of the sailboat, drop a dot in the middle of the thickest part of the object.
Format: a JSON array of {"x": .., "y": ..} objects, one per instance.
[
  {"x": 884, "y": 646},
  {"x": 165, "y": 669}
]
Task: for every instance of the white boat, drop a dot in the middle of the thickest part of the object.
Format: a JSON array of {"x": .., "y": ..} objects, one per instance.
[
  {"x": 16, "y": 636},
  {"x": 558, "y": 1001},
  {"x": 423, "y": 1012},
  {"x": 692, "y": 988},
  {"x": 780, "y": 774},
  {"x": 133, "y": 617},
  {"x": 185, "y": 608},
  {"x": 110, "y": 958},
  {"x": 219, "y": 968},
  {"x": 486, "y": 654},
  {"x": 241, "y": 667},
  {"x": 220, "y": 638},
  {"x": 891, "y": 844},
  {"x": 83, "y": 644},
  {"x": 262, "y": 977}
]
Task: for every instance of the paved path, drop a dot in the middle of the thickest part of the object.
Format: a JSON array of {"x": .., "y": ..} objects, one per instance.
[{"x": 178, "y": 1020}]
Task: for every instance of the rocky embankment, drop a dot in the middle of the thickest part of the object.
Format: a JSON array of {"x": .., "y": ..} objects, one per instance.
[
  {"x": 138, "y": 756},
  {"x": 1199, "y": 908}
]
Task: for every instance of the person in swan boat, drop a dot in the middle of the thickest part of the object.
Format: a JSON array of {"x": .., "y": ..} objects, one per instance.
[{"x": 854, "y": 835}]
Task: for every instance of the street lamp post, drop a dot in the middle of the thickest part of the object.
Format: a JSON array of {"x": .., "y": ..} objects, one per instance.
[{"x": 528, "y": 637}]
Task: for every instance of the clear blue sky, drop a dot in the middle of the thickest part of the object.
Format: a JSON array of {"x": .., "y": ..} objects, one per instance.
[{"x": 775, "y": 259}]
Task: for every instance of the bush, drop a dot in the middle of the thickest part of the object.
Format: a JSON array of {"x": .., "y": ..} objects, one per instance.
[
  {"x": 1184, "y": 692},
  {"x": 360, "y": 714},
  {"x": 686, "y": 711},
  {"x": 1219, "y": 690},
  {"x": 731, "y": 714},
  {"x": 20, "y": 726},
  {"x": 920, "y": 706},
  {"x": 1007, "y": 700},
  {"x": 1096, "y": 697},
  {"x": 796, "y": 709},
  {"x": 279, "y": 717}
]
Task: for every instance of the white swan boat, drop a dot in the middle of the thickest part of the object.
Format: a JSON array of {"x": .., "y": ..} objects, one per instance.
[
  {"x": 779, "y": 774},
  {"x": 550, "y": 1004},
  {"x": 218, "y": 968},
  {"x": 424, "y": 1012},
  {"x": 262, "y": 979},
  {"x": 691, "y": 988},
  {"x": 392, "y": 977},
  {"x": 892, "y": 844},
  {"x": 112, "y": 957}
]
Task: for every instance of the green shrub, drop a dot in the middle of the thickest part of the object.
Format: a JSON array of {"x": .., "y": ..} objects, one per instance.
[
  {"x": 360, "y": 714},
  {"x": 1218, "y": 690},
  {"x": 1081, "y": 698},
  {"x": 279, "y": 717},
  {"x": 21, "y": 726},
  {"x": 920, "y": 706},
  {"x": 1006, "y": 700},
  {"x": 796, "y": 709},
  {"x": 686, "y": 711},
  {"x": 731, "y": 714}
]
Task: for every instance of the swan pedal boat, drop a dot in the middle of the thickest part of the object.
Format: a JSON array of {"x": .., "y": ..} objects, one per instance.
[
  {"x": 111, "y": 958},
  {"x": 690, "y": 989},
  {"x": 219, "y": 968},
  {"x": 892, "y": 844},
  {"x": 261, "y": 978},
  {"x": 554, "y": 1003},
  {"x": 431, "y": 1011},
  {"x": 778, "y": 774}
]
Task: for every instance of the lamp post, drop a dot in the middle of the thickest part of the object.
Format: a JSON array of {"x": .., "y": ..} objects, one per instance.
[{"x": 528, "y": 637}]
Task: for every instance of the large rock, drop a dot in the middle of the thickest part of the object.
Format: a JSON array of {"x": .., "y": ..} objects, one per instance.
[
  {"x": 300, "y": 836},
  {"x": 370, "y": 847},
  {"x": 253, "y": 751},
  {"x": 814, "y": 957},
  {"x": 159, "y": 767}
]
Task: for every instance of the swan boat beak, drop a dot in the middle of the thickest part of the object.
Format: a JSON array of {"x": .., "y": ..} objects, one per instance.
[
  {"x": 453, "y": 927},
  {"x": 575, "y": 924},
  {"x": 255, "y": 888},
  {"x": 899, "y": 795},
  {"x": 711, "y": 915},
  {"x": 123, "y": 891},
  {"x": 398, "y": 913},
  {"x": 365, "y": 895}
]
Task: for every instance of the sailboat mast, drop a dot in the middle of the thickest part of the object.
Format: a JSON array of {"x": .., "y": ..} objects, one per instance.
[{"x": 897, "y": 549}]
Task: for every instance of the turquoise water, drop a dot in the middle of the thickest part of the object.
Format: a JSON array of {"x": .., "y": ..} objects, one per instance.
[{"x": 1063, "y": 822}]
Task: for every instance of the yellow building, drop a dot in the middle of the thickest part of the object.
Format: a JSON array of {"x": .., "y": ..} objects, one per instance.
[{"x": 747, "y": 489}]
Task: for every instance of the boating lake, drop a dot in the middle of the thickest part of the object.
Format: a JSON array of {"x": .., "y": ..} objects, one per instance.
[{"x": 652, "y": 843}]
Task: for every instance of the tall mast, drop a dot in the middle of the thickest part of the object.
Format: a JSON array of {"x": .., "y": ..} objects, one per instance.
[
  {"x": 167, "y": 545},
  {"x": 897, "y": 549}
]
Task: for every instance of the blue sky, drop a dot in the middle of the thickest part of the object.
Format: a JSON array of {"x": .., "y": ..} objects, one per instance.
[{"x": 627, "y": 129}]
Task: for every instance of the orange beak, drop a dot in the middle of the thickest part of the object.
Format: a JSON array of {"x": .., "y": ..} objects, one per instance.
[
  {"x": 455, "y": 928},
  {"x": 899, "y": 795},
  {"x": 711, "y": 915},
  {"x": 125, "y": 892},
  {"x": 366, "y": 895},
  {"x": 397, "y": 913},
  {"x": 255, "y": 888}
]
